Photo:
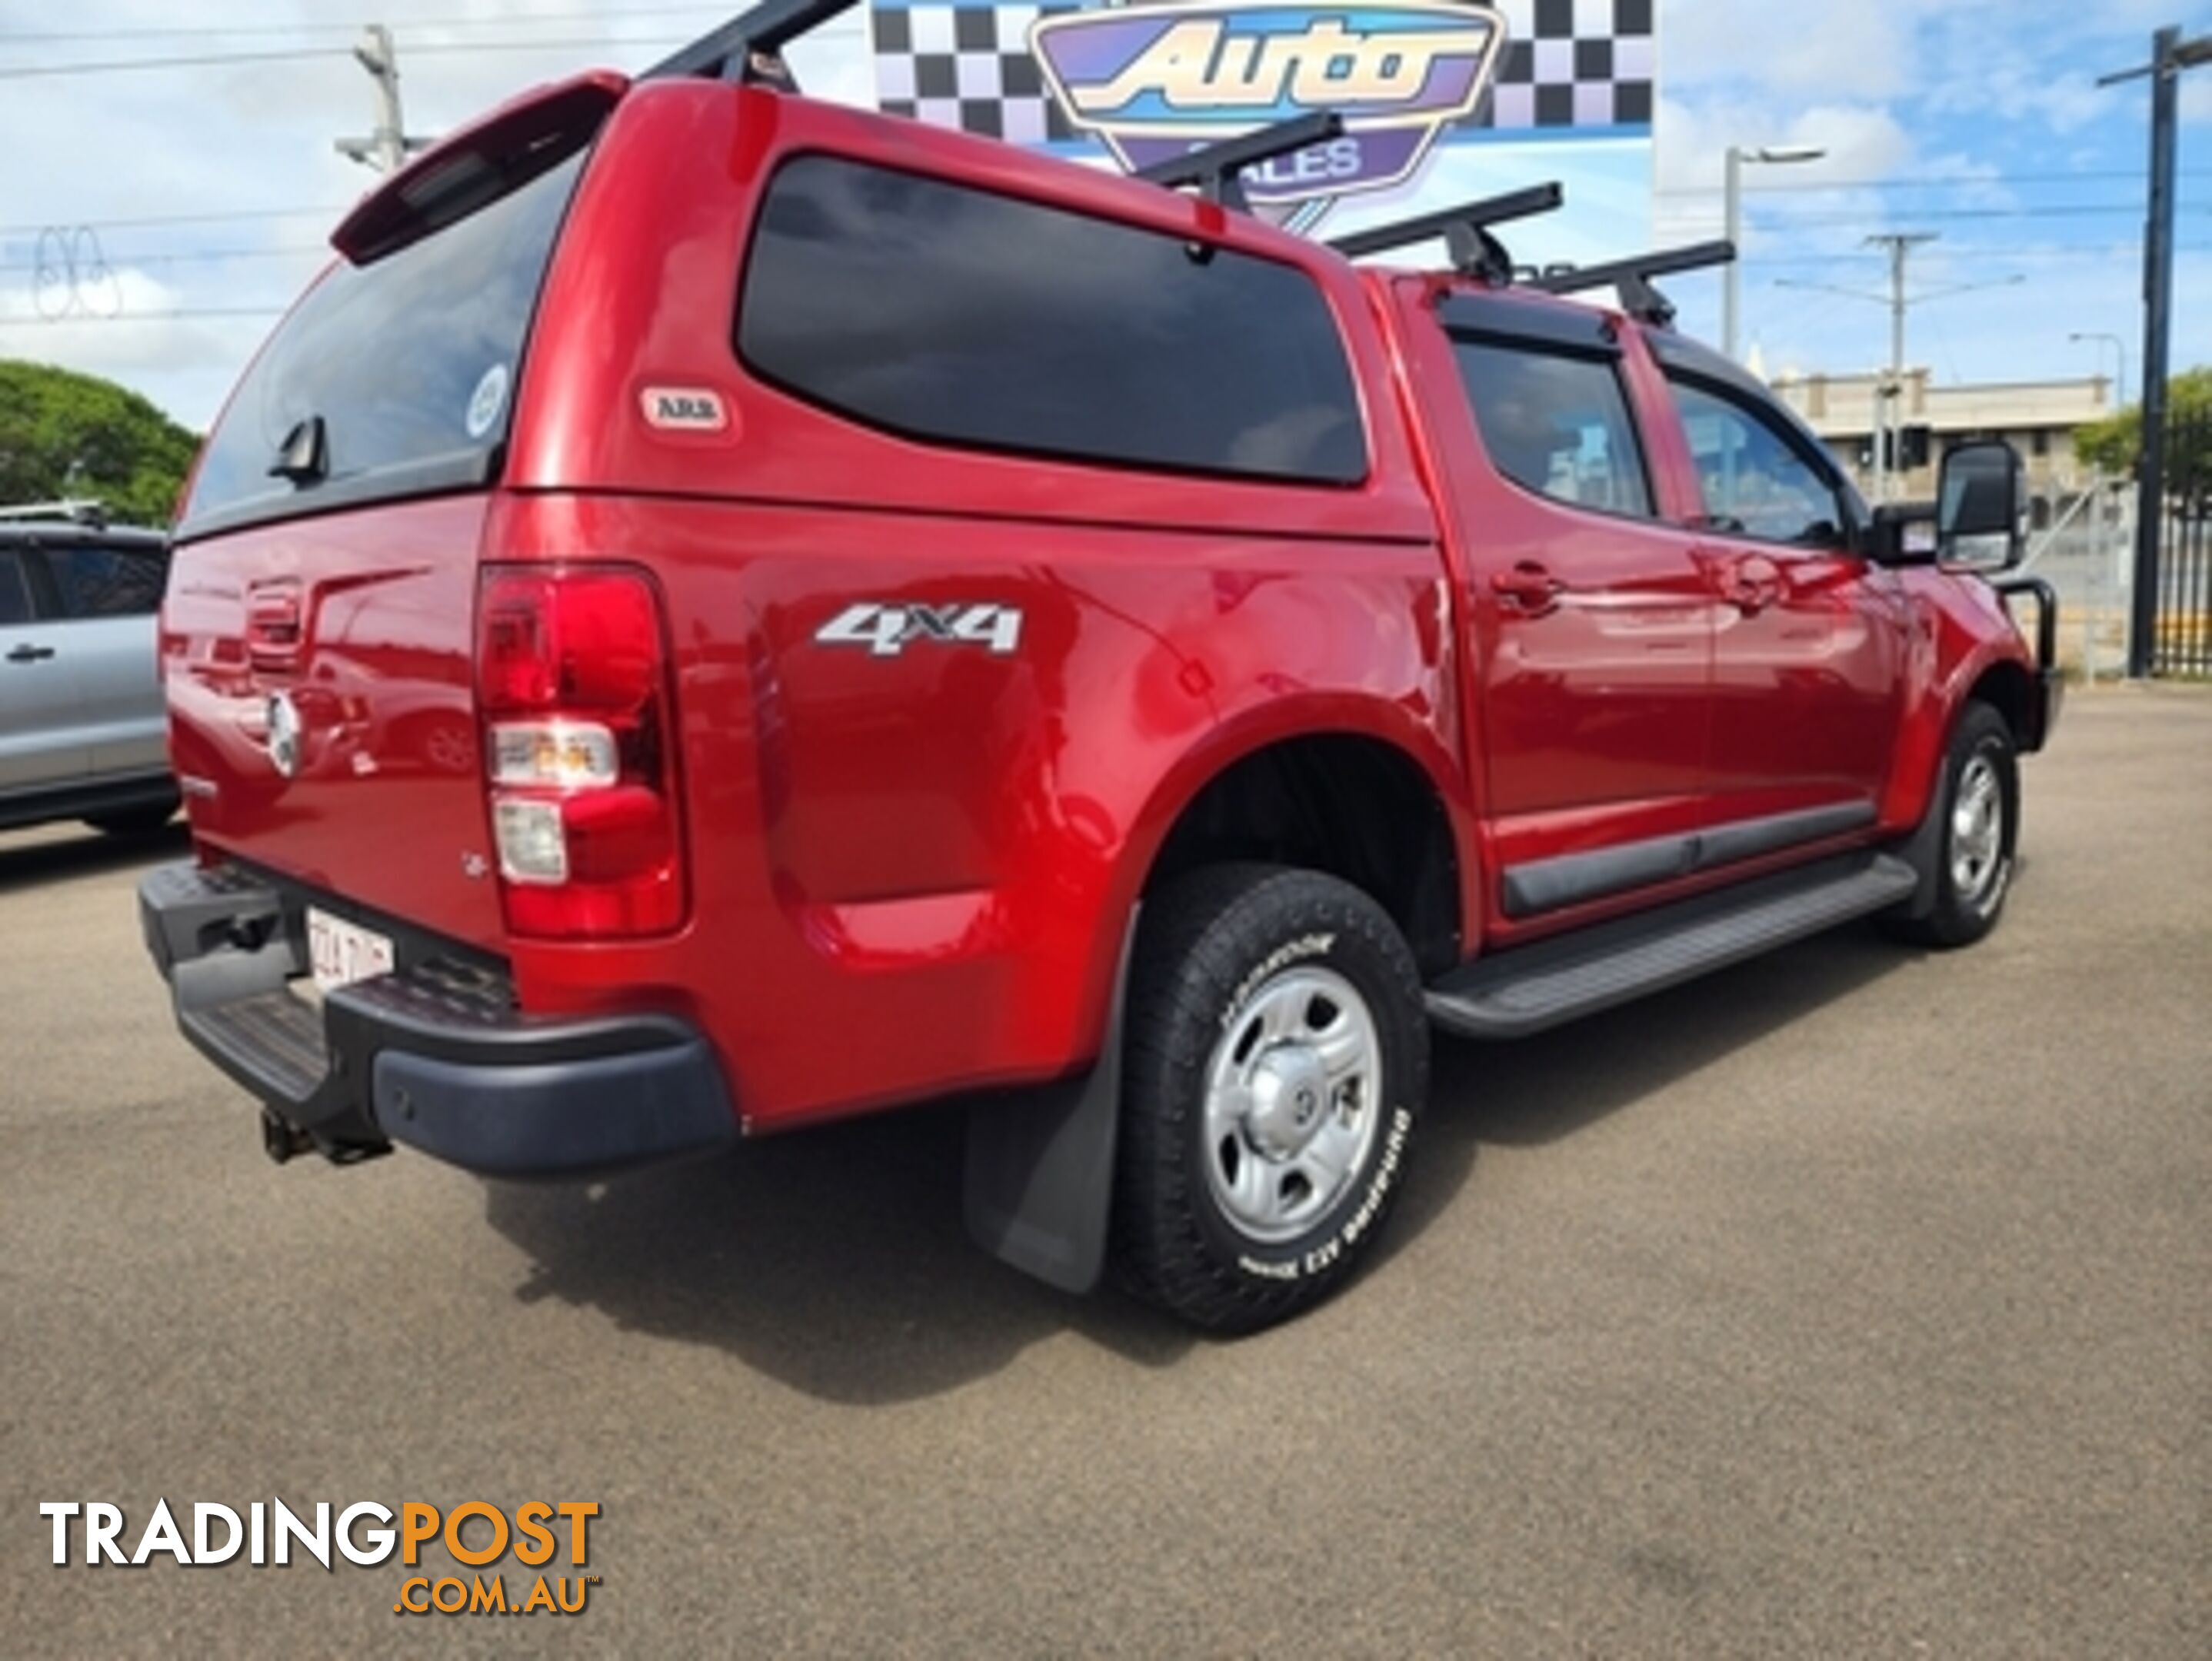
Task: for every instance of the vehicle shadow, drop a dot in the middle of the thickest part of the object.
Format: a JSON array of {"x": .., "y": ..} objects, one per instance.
[
  {"x": 1545, "y": 1088},
  {"x": 835, "y": 1261},
  {"x": 28, "y": 858}
]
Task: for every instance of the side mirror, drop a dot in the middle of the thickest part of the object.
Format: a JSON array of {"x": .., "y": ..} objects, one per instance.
[
  {"x": 1902, "y": 533},
  {"x": 1980, "y": 508}
]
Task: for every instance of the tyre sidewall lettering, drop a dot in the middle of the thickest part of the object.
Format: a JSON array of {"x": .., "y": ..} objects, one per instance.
[{"x": 1373, "y": 1197}]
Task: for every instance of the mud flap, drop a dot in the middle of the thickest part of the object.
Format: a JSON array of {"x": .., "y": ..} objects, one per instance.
[
  {"x": 1924, "y": 849},
  {"x": 1040, "y": 1164}
]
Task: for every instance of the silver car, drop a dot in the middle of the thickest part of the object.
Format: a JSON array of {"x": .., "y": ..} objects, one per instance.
[{"x": 82, "y": 731}]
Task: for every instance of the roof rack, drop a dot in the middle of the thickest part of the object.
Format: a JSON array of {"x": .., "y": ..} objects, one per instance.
[
  {"x": 1214, "y": 167},
  {"x": 1466, "y": 231},
  {"x": 749, "y": 47},
  {"x": 75, "y": 511},
  {"x": 1634, "y": 278}
]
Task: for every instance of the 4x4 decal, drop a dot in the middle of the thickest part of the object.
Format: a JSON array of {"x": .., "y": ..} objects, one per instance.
[{"x": 887, "y": 630}]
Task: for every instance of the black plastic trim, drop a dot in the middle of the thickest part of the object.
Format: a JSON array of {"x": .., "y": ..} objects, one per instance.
[
  {"x": 433, "y": 1060},
  {"x": 1510, "y": 322},
  {"x": 81, "y": 799},
  {"x": 1575, "y": 879}
]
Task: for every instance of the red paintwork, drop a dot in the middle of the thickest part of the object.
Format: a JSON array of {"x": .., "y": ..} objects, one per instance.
[{"x": 910, "y": 875}]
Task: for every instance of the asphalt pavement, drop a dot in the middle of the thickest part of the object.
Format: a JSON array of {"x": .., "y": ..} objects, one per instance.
[{"x": 1853, "y": 1302}]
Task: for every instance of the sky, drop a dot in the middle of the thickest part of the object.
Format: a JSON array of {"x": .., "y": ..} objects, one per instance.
[{"x": 154, "y": 221}]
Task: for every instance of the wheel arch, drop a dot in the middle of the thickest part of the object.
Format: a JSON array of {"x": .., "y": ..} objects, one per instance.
[{"x": 1369, "y": 797}]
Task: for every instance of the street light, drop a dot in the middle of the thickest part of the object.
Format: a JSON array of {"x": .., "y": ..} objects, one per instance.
[
  {"x": 2119, "y": 351},
  {"x": 1767, "y": 155}
]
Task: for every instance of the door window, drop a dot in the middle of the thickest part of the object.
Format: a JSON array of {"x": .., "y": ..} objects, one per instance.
[
  {"x": 14, "y": 599},
  {"x": 1557, "y": 424},
  {"x": 107, "y": 582},
  {"x": 1754, "y": 482}
]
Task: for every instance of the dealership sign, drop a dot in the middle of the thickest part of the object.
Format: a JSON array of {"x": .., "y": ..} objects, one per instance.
[
  {"x": 1150, "y": 80},
  {"x": 1413, "y": 80}
]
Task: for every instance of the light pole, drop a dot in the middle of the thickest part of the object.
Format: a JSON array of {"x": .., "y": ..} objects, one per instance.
[
  {"x": 1732, "y": 189},
  {"x": 2169, "y": 56},
  {"x": 2119, "y": 353}
]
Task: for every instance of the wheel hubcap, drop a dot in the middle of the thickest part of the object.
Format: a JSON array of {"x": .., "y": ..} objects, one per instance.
[
  {"x": 1291, "y": 1103},
  {"x": 1976, "y": 830}
]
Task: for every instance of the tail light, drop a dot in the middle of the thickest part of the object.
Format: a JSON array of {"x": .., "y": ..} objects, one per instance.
[{"x": 573, "y": 689}]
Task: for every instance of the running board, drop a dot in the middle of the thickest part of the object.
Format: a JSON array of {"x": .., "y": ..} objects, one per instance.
[{"x": 1530, "y": 989}]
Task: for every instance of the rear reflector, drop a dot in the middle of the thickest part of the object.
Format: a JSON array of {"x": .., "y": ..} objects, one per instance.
[{"x": 574, "y": 689}]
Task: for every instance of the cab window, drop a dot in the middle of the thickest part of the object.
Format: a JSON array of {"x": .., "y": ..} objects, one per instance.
[
  {"x": 1754, "y": 482},
  {"x": 107, "y": 582},
  {"x": 1556, "y": 422}
]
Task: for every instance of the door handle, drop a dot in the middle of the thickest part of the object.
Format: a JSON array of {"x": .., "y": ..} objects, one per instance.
[
  {"x": 1752, "y": 585},
  {"x": 27, "y": 653},
  {"x": 1528, "y": 587}
]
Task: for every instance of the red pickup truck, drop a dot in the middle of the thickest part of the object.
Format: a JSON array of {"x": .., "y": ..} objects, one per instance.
[{"x": 720, "y": 612}]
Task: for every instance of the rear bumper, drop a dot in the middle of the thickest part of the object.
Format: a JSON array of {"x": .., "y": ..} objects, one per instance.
[{"x": 429, "y": 1055}]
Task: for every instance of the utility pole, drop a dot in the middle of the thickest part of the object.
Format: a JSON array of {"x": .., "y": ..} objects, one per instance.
[
  {"x": 386, "y": 150},
  {"x": 1889, "y": 413},
  {"x": 2169, "y": 56}
]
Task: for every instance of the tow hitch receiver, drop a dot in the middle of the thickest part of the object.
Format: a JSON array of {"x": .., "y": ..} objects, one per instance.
[{"x": 281, "y": 1141}]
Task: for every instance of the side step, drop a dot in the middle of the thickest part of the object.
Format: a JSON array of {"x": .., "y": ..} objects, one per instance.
[{"x": 1528, "y": 990}]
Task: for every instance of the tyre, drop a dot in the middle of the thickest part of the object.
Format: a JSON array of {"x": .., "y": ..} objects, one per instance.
[
  {"x": 1976, "y": 832},
  {"x": 1276, "y": 1063},
  {"x": 133, "y": 822}
]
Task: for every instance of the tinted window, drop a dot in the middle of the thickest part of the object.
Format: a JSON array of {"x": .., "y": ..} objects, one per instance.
[
  {"x": 965, "y": 317},
  {"x": 107, "y": 582},
  {"x": 1754, "y": 480},
  {"x": 411, "y": 361},
  {"x": 15, "y": 600},
  {"x": 1557, "y": 424}
]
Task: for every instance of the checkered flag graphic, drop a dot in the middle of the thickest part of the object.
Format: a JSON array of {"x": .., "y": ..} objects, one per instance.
[
  {"x": 966, "y": 63},
  {"x": 1573, "y": 63},
  {"x": 966, "y": 66}
]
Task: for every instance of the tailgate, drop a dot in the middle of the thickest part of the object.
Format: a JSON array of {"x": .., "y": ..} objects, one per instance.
[{"x": 319, "y": 674}]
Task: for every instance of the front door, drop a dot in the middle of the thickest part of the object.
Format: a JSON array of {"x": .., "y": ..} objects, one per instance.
[{"x": 1809, "y": 642}]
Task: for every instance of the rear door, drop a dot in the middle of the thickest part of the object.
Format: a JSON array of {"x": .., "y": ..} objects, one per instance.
[
  {"x": 41, "y": 743},
  {"x": 1810, "y": 641},
  {"x": 109, "y": 596},
  {"x": 1587, "y": 614}
]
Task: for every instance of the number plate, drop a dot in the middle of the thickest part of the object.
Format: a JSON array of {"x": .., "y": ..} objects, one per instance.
[{"x": 342, "y": 953}]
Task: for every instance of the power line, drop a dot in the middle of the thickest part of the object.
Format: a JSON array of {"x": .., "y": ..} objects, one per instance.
[
  {"x": 203, "y": 31},
  {"x": 1977, "y": 182},
  {"x": 179, "y": 315},
  {"x": 297, "y": 54},
  {"x": 227, "y": 216}
]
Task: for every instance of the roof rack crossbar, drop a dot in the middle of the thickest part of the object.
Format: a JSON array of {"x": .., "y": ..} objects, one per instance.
[
  {"x": 1634, "y": 278},
  {"x": 1214, "y": 167},
  {"x": 750, "y": 46},
  {"x": 1465, "y": 229}
]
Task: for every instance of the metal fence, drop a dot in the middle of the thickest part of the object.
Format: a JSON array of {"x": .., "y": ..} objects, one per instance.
[{"x": 2182, "y": 642}]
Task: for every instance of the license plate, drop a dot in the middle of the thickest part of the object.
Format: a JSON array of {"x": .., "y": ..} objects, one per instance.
[{"x": 341, "y": 952}]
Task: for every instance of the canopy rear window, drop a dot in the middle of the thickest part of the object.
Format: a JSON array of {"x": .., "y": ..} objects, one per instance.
[{"x": 409, "y": 363}]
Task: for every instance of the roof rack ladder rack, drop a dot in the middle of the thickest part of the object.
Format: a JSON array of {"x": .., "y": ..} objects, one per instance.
[
  {"x": 1214, "y": 167},
  {"x": 1639, "y": 299},
  {"x": 1466, "y": 231},
  {"x": 749, "y": 47}
]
